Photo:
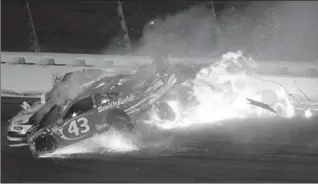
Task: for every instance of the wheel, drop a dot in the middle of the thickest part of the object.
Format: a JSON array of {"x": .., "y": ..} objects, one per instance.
[
  {"x": 166, "y": 112},
  {"x": 119, "y": 120},
  {"x": 42, "y": 145}
]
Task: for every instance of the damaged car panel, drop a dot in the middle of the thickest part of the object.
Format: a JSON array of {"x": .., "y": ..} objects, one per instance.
[{"x": 110, "y": 102}]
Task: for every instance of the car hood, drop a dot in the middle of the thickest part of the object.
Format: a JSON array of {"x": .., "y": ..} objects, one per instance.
[
  {"x": 24, "y": 115},
  {"x": 21, "y": 119},
  {"x": 20, "y": 123}
]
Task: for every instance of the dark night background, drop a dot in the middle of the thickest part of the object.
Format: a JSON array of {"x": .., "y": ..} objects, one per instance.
[{"x": 266, "y": 30}]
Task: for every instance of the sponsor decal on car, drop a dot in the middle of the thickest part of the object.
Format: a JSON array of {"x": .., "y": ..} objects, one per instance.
[
  {"x": 75, "y": 129},
  {"x": 117, "y": 103},
  {"x": 18, "y": 128}
]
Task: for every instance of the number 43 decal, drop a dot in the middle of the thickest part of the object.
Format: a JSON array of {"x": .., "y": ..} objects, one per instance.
[{"x": 79, "y": 126}]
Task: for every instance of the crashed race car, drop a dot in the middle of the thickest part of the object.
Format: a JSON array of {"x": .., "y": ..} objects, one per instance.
[
  {"x": 63, "y": 88},
  {"x": 109, "y": 102},
  {"x": 20, "y": 124}
]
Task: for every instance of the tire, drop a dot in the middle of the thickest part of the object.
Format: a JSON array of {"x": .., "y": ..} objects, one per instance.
[
  {"x": 43, "y": 144},
  {"x": 166, "y": 112},
  {"x": 119, "y": 120}
]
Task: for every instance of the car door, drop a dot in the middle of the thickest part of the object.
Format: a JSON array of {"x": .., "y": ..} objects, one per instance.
[{"x": 79, "y": 120}]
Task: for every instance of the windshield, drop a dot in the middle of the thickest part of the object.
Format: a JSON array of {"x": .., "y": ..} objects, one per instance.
[{"x": 81, "y": 106}]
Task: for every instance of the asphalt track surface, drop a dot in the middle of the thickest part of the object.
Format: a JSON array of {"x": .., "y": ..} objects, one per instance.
[{"x": 267, "y": 151}]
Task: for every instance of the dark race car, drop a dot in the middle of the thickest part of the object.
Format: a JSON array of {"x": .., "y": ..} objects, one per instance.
[
  {"x": 110, "y": 102},
  {"x": 24, "y": 120}
]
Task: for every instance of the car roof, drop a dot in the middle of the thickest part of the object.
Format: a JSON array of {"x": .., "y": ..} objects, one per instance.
[
  {"x": 101, "y": 85},
  {"x": 97, "y": 85}
]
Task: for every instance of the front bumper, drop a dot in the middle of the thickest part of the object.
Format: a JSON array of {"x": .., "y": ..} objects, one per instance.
[
  {"x": 17, "y": 140},
  {"x": 18, "y": 133}
]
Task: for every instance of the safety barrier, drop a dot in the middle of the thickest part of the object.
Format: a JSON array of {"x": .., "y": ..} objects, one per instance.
[
  {"x": 25, "y": 72},
  {"x": 84, "y": 60},
  {"x": 285, "y": 68},
  {"x": 39, "y": 78}
]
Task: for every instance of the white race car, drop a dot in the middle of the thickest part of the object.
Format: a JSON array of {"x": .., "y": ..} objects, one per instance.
[{"x": 19, "y": 124}]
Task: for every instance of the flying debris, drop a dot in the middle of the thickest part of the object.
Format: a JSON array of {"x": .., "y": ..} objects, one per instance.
[{"x": 262, "y": 105}]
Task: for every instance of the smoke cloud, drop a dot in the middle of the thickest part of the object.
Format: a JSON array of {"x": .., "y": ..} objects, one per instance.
[{"x": 265, "y": 30}]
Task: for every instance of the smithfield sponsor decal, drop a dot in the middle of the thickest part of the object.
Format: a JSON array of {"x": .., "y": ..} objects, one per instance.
[{"x": 116, "y": 103}]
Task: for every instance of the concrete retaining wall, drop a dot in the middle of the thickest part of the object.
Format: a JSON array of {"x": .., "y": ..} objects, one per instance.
[
  {"x": 72, "y": 59},
  {"x": 37, "y": 78},
  {"x": 303, "y": 68},
  {"x": 29, "y": 72},
  {"x": 297, "y": 86}
]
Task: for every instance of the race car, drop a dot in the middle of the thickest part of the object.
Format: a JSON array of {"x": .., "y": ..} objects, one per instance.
[
  {"x": 64, "y": 88},
  {"x": 110, "y": 102},
  {"x": 20, "y": 124}
]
